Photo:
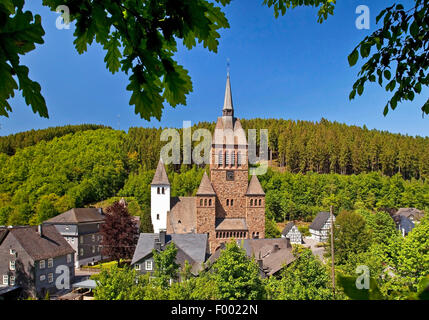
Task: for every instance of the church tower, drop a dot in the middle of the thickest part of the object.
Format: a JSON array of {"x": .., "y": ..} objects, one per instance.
[{"x": 160, "y": 198}]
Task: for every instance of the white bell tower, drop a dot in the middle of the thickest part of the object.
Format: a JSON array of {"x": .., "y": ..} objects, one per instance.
[{"x": 160, "y": 198}]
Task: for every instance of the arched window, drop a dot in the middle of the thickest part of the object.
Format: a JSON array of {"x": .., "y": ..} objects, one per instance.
[
  {"x": 163, "y": 190},
  {"x": 232, "y": 202},
  {"x": 251, "y": 202},
  {"x": 227, "y": 202},
  {"x": 260, "y": 202},
  {"x": 232, "y": 157},
  {"x": 220, "y": 157},
  {"x": 158, "y": 190},
  {"x": 205, "y": 202},
  {"x": 201, "y": 202},
  {"x": 239, "y": 158},
  {"x": 210, "y": 202},
  {"x": 227, "y": 158}
]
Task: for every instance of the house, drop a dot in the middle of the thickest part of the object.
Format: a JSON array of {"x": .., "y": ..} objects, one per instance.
[
  {"x": 80, "y": 227},
  {"x": 190, "y": 247},
  {"x": 226, "y": 206},
  {"x": 35, "y": 259},
  {"x": 413, "y": 214},
  {"x": 270, "y": 254},
  {"x": 292, "y": 233},
  {"x": 321, "y": 226},
  {"x": 404, "y": 224}
]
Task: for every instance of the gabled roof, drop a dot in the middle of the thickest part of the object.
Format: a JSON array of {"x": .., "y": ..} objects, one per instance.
[
  {"x": 408, "y": 212},
  {"x": 206, "y": 188},
  {"x": 319, "y": 221},
  {"x": 50, "y": 245},
  {"x": 78, "y": 215},
  {"x": 191, "y": 247},
  {"x": 287, "y": 228},
  {"x": 255, "y": 188},
  {"x": 160, "y": 176}
]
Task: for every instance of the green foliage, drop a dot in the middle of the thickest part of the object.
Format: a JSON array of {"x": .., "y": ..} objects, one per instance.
[
  {"x": 236, "y": 276},
  {"x": 399, "y": 48},
  {"x": 271, "y": 229},
  {"x": 325, "y": 7},
  {"x": 166, "y": 268},
  {"x": 20, "y": 31},
  {"x": 350, "y": 236},
  {"x": 305, "y": 279}
]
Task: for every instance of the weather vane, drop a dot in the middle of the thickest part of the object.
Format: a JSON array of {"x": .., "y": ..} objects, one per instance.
[{"x": 227, "y": 66}]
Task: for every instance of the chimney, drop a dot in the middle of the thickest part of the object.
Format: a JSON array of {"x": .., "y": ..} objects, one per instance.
[
  {"x": 157, "y": 245},
  {"x": 276, "y": 248},
  {"x": 162, "y": 236},
  {"x": 40, "y": 230},
  {"x": 260, "y": 262}
]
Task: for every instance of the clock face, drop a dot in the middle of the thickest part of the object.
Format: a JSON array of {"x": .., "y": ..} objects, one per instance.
[{"x": 230, "y": 175}]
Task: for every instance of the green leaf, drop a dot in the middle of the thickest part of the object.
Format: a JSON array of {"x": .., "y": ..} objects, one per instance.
[
  {"x": 113, "y": 55},
  {"x": 387, "y": 74},
  {"x": 414, "y": 29},
  {"x": 353, "y": 58}
]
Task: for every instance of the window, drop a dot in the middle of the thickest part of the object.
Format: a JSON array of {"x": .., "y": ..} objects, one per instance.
[
  {"x": 81, "y": 252},
  {"x": 239, "y": 158},
  {"x": 232, "y": 202},
  {"x": 12, "y": 252},
  {"x": 5, "y": 279},
  {"x": 233, "y": 158},
  {"x": 227, "y": 158},
  {"x": 251, "y": 202},
  {"x": 220, "y": 158},
  {"x": 42, "y": 277},
  {"x": 93, "y": 237},
  {"x": 81, "y": 239},
  {"x": 205, "y": 202},
  {"x": 42, "y": 264},
  {"x": 163, "y": 190},
  {"x": 201, "y": 202},
  {"x": 260, "y": 201},
  {"x": 157, "y": 216},
  {"x": 50, "y": 263},
  {"x": 50, "y": 277},
  {"x": 210, "y": 202},
  {"x": 227, "y": 202},
  {"x": 158, "y": 190},
  {"x": 69, "y": 258},
  {"x": 149, "y": 265},
  {"x": 137, "y": 267},
  {"x": 12, "y": 265},
  {"x": 12, "y": 280}
]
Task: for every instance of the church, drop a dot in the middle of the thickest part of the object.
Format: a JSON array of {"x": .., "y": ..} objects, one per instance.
[{"x": 226, "y": 206}]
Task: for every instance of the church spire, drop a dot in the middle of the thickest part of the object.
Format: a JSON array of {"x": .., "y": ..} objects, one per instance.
[{"x": 228, "y": 109}]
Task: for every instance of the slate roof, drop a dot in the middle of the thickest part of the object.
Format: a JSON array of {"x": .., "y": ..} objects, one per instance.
[
  {"x": 287, "y": 228},
  {"x": 51, "y": 245},
  {"x": 160, "y": 176},
  {"x": 78, "y": 215},
  {"x": 407, "y": 212},
  {"x": 206, "y": 188},
  {"x": 319, "y": 221},
  {"x": 182, "y": 217},
  {"x": 255, "y": 188},
  {"x": 191, "y": 247},
  {"x": 274, "y": 253},
  {"x": 227, "y": 224}
]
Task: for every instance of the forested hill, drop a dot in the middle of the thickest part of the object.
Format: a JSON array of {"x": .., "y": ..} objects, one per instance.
[
  {"x": 60, "y": 170},
  {"x": 9, "y": 144}
]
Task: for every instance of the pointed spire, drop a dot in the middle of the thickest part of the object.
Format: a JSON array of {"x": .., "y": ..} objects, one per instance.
[
  {"x": 206, "y": 187},
  {"x": 255, "y": 188},
  {"x": 228, "y": 109},
  {"x": 160, "y": 176}
]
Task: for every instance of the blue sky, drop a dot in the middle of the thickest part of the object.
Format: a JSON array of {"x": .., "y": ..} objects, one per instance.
[{"x": 290, "y": 68}]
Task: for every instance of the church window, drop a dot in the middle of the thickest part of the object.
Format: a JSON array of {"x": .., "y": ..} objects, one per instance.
[
  {"x": 210, "y": 202},
  {"x": 260, "y": 201},
  {"x": 227, "y": 158},
  {"x": 239, "y": 158},
  {"x": 220, "y": 158},
  {"x": 233, "y": 158},
  {"x": 201, "y": 202},
  {"x": 163, "y": 190},
  {"x": 157, "y": 216},
  {"x": 205, "y": 202},
  {"x": 251, "y": 202},
  {"x": 227, "y": 202},
  {"x": 232, "y": 202},
  {"x": 158, "y": 190}
]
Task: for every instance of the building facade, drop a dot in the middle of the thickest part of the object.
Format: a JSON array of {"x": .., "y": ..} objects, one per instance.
[
  {"x": 292, "y": 233},
  {"x": 227, "y": 206},
  {"x": 320, "y": 228},
  {"x": 80, "y": 227}
]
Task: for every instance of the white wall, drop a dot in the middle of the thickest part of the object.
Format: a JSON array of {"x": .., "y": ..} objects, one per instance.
[{"x": 159, "y": 204}]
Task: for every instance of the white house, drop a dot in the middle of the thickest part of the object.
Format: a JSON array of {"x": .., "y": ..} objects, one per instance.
[
  {"x": 160, "y": 198},
  {"x": 321, "y": 226},
  {"x": 292, "y": 233}
]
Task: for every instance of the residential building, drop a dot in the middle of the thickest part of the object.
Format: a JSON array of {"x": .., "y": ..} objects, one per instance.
[
  {"x": 292, "y": 233},
  {"x": 80, "y": 227},
  {"x": 413, "y": 214},
  {"x": 321, "y": 226},
  {"x": 34, "y": 258},
  {"x": 226, "y": 205},
  {"x": 404, "y": 224},
  {"x": 190, "y": 247}
]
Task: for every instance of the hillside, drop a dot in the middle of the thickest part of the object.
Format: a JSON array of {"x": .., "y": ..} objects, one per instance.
[{"x": 323, "y": 162}]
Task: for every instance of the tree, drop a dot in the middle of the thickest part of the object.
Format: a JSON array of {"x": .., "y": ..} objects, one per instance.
[
  {"x": 166, "y": 268},
  {"x": 119, "y": 233},
  {"x": 350, "y": 236},
  {"x": 305, "y": 279},
  {"x": 236, "y": 276},
  {"x": 146, "y": 225},
  {"x": 271, "y": 229},
  {"x": 138, "y": 39}
]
